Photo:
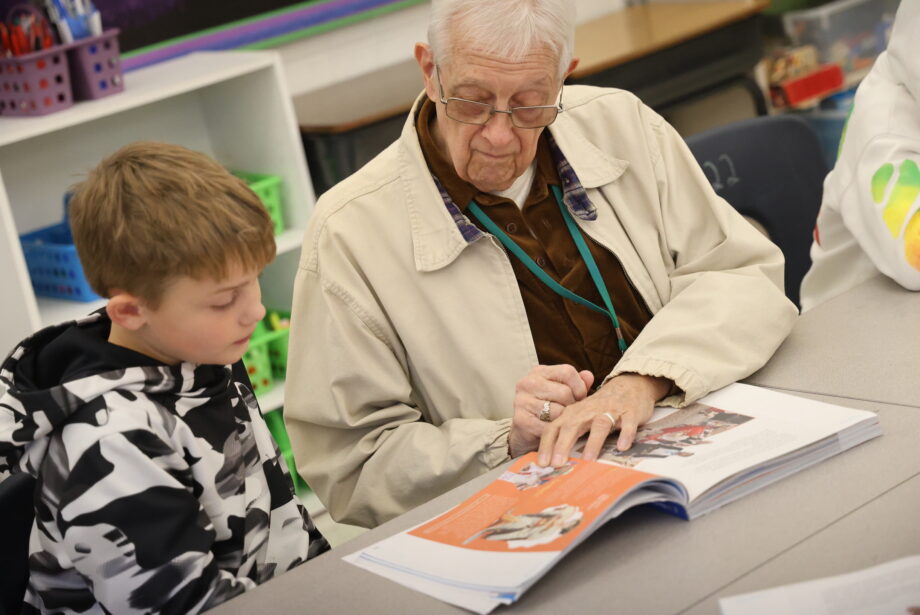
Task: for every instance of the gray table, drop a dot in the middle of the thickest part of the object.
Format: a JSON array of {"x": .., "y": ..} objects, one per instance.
[
  {"x": 649, "y": 562},
  {"x": 863, "y": 344},
  {"x": 853, "y": 543}
]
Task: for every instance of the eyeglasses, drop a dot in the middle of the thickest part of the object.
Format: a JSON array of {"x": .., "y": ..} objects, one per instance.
[{"x": 472, "y": 112}]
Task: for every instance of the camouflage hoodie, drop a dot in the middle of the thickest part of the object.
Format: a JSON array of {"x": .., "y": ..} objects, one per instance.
[{"x": 159, "y": 488}]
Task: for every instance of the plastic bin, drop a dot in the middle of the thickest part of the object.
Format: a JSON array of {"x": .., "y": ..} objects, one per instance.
[
  {"x": 35, "y": 83},
  {"x": 51, "y": 80},
  {"x": 54, "y": 266},
  {"x": 266, "y": 358},
  {"x": 95, "y": 66},
  {"x": 278, "y": 346},
  {"x": 275, "y": 422},
  {"x": 258, "y": 361},
  {"x": 850, "y": 33},
  {"x": 268, "y": 189}
]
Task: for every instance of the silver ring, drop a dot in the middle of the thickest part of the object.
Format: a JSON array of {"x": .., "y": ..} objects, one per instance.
[
  {"x": 544, "y": 413},
  {"x": 613, "y": 421}
]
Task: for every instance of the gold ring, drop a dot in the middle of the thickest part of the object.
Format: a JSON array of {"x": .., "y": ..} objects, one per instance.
[
  {"x": 613, "y": 421},
  {"x": 544, "y": 413}
]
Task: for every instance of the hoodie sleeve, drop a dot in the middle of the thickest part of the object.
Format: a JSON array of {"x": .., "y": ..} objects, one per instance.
[
  {"x": 882, "y": 207},
  {"x": 129, "y": 522},
  {"x": 880, "y": 204}
]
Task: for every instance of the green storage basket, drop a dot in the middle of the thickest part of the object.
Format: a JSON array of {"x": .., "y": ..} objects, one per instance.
[
  {"x": 268, "y": 189},
  {"x": 275, "y": 422},
  {"x": 278, "y": 346},
  {"x": 266, "y": 358},
  {"x": 258, "y": 359}
]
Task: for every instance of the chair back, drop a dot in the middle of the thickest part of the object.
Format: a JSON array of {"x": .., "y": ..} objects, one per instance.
[
  {"x": 771, "y": 170},
  {"x": 16, "y": 515}
]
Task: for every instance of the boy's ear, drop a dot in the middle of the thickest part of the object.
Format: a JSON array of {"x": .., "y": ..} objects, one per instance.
[{"x": 126, "y": 310}]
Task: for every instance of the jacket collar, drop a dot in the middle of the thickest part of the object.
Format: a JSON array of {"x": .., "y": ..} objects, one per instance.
[{"x": 440, "y": 231}]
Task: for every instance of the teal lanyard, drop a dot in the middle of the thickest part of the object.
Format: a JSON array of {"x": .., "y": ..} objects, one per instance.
[{"x": 544, "y": 277}]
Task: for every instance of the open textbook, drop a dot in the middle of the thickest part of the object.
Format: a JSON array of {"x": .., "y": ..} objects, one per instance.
[
  {"x": 893, "y": 587},
  {"x": 491, "y": 548}
]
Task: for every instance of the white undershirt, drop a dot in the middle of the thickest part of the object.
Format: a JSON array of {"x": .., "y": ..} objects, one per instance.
[{"x": 520, "y": 189}]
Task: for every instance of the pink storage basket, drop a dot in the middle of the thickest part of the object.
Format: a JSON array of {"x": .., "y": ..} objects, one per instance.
[
  {"x": 35, "y": 84},
  {"x": 95, "y": 66}
]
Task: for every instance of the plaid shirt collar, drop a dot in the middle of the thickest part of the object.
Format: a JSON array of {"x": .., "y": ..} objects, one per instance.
[{"x": 573, "y": 194}]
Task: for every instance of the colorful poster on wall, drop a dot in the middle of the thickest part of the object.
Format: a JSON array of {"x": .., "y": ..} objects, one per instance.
[{"x": 155, "y": 30}]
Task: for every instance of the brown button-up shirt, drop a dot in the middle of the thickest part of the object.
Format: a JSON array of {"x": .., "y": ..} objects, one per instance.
[{"x": 563, "y": 331}]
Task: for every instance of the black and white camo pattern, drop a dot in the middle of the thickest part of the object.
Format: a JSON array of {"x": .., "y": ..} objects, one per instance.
[{"x": 160, "y": 489}]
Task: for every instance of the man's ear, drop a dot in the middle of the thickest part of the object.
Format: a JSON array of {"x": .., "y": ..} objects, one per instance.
[
  {"x": 126, "y": 310},
  {"x": 571, "y": 69},
  {"x": 425, "y": 59}
]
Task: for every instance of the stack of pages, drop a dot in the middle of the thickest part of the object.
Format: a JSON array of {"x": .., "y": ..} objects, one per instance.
[
  {"x": 893, "y": 587},
  {"x": 491, "y": 548}
]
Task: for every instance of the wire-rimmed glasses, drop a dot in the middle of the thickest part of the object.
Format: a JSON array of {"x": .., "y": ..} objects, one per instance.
[{"x": 472, "y": 112}]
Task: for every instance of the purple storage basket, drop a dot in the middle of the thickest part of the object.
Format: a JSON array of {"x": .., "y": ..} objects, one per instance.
[
  {"x": 35, "y": 83},
  {"x": 95, "y": 66}
]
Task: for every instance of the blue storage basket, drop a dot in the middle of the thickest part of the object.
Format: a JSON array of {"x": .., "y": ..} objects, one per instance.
[{"x": 53, "y": 265}]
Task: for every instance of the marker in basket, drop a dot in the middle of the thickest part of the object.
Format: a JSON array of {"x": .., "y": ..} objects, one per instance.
[
  {"x": 74, "y": 20},
  {"x": 6, "y": 46},
  {"x": 59, "y": 16},
  {"x": 92, "y": 16},
  {"x": 26, "y": 31}
]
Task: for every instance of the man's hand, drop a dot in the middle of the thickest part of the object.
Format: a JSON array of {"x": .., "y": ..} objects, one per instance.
[
  {"x": 626, "y": 402},
  {"x": 560, "y": 385}
]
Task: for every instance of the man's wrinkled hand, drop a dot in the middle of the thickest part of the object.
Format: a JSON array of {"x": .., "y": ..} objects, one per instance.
[
  {"x": 626, "y": 402},
  {"x": 553, "y": 387}
]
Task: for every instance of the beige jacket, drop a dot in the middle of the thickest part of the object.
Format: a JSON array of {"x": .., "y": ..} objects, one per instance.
[{"x": 407, "y": 341}]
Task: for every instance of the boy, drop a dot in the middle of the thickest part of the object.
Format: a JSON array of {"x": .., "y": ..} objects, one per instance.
[{"x": 159, "y": 486}]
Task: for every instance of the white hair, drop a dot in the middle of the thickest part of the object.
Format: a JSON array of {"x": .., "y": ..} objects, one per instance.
[{"x": 508, "y": 29}]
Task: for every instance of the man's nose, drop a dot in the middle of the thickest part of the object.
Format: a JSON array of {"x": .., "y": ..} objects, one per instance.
[{"x": 499, "y": 130}]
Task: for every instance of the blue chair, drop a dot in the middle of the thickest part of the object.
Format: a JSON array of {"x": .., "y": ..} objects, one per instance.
[
  {"x": 16, "y": 515},
  {"x": 771, "y": 170}
]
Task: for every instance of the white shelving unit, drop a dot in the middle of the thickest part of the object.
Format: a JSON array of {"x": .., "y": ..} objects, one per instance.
[
  {"x": 273, "y": 399},
  {"x": 234, "y": 106}
]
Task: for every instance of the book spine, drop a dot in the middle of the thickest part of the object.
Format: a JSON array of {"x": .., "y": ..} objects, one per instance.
[{"x": 672, "y": 508}]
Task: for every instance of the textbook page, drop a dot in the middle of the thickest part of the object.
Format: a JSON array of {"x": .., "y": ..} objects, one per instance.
[
  {"x": 471, "y": 600},
  {"x": 890, "y": 588},
  {"x": 508, "y": 534},
  {"x": 492, "y": 547},
  {"x": 729, "y": 432}
]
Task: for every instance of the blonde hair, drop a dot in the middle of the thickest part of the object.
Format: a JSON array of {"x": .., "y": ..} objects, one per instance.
[
  {"x": 152, "y": 212},
  {"x": 507, "y": 29}
]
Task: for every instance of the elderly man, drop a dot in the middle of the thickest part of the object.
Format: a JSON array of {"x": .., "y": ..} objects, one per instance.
[{"x": 526, "y": 262}]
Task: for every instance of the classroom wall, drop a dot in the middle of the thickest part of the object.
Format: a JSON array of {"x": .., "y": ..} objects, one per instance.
[{"x": 373, "y": 58}]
